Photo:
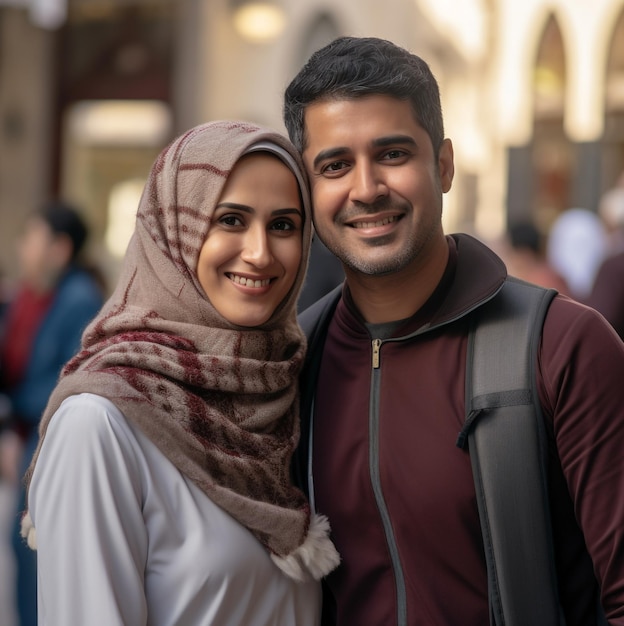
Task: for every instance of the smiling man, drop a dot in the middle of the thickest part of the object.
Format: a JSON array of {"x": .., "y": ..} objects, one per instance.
[
  {"x": 384, "y": 387},
  {"x": 378, "y": 195}
]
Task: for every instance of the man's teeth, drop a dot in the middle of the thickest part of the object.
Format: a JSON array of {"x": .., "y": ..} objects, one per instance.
[
  {"x": 383, "y": 222},
  {"x": 248, "y": 282}
]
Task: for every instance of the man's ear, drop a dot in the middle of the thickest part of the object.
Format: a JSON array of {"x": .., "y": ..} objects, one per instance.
[{"x": 446, "y": 165}]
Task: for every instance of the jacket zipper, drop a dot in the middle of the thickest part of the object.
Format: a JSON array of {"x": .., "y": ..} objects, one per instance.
[
  {"x": 375, "y": 476},
  {"x": 376, "y": 355}
]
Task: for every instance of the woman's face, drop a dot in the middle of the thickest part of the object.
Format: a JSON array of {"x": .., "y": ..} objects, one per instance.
[{"x": 251, "y": 255}]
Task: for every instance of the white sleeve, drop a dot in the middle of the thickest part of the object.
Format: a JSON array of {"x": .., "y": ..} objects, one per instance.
[{"x": 85, "y": 501}]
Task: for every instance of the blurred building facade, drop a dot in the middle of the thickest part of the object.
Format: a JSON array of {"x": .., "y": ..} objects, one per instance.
[{"x": 91, "y": 90}]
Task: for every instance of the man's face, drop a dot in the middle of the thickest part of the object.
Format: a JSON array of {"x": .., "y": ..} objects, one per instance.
[{"x": 376, "y": 184}]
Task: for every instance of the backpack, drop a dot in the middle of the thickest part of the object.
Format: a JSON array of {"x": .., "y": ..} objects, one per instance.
[{"x": 508, "y": 444}]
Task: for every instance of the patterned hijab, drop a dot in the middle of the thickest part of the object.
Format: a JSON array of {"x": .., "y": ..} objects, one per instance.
[{"x": 220, "y": 401}]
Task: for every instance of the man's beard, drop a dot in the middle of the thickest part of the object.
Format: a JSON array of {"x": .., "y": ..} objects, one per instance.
[{"x": 359, "y": 262}]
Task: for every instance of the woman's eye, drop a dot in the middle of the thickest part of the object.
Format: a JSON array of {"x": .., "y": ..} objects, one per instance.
[
  {"x": 283, "y": 225},
  {"x": 230, "y": 220}
]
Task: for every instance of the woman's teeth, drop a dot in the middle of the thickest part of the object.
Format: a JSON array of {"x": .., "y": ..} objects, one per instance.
[{"x": 248, "y": 282}]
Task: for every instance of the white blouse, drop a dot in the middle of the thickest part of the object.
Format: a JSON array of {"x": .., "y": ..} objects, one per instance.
[{"x": 124, "y": 538}]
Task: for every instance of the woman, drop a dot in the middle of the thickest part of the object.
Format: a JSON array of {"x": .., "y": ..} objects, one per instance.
[{"x": 160, "y": 491}]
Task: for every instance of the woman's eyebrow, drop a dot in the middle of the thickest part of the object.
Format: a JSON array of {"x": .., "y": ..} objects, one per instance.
[
  {"x": 288, "y": 211},
  {"x": 247, "y": 209},
  {"x": 234, "y": 205}
]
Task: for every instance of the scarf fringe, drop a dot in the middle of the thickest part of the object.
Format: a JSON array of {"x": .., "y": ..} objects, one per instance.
[
  {"x": 315, "y": 557},
  {"x": 28, "y": 532}
]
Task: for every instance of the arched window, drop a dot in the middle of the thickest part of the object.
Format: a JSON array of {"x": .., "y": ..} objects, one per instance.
[
  {"x": 552, "y": 156},
  {"x": 613, "y": 142},
  {"x": 321, "y": 31}
]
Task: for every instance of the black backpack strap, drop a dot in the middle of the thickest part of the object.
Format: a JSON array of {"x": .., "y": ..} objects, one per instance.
[
  {"x": 316, "y": 317},
  {"x": 507, "y": 441},
  {"x": 314, "y": 321}
]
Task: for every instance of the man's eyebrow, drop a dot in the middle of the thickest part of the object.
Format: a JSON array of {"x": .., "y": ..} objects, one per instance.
[
  {"x": 330, "y": 153},
  {"x": 394, "y": 140},
  {"x": 381, "y": 142}
]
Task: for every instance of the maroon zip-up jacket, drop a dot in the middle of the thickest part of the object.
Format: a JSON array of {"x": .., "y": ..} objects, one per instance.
[{"x": 398, "y": 492}]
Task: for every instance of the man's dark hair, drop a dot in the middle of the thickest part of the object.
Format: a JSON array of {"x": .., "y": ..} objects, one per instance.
[
  {"x": 64, "y": 219},
  {"x": 353, "y": 67}
]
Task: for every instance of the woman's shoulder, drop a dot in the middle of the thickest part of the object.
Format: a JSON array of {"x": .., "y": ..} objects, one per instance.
[
  {"x": 88, "y": 450},
  {"x": 90, "y": 430},
  {"x": 88, "y": 413}
]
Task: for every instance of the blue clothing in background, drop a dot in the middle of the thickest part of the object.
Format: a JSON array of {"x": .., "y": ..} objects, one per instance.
[{"x": 77, "y": 299}]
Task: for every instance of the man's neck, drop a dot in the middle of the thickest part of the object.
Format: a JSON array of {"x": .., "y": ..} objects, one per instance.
[{"x": 397, "y": 296}]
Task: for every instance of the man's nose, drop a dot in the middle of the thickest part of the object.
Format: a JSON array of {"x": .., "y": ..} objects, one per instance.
[{"x": 368, "y": 184}]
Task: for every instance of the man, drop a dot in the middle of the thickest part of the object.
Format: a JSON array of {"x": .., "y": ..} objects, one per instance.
[{"x": 382, "y": 413}]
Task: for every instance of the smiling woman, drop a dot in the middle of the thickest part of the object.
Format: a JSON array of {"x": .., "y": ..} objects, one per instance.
[
  {"x": 160, "y": 486},
  {"x": 252, "y": 252}
]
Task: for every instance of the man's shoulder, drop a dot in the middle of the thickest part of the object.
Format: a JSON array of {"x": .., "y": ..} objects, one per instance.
[
  {"x": 316, "y": 314},
  {"x": 570, "y": 317}
]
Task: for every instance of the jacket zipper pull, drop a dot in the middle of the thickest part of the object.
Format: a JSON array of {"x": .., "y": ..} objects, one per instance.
[{"x": 376, "y": 355}]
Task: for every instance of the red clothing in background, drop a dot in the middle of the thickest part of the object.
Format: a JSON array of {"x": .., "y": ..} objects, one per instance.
[{"x": 23, "y": 320}]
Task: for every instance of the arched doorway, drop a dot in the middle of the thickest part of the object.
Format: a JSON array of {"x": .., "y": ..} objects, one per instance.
[
  {"x": 114, "y": 108},
  {"x": 551, "y": 151},
  {"x": 613, "y": 141}
]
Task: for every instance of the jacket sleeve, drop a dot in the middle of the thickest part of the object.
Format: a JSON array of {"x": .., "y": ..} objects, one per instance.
[
  {"x": 85, "y": 503},
  {"x": 581, "y": 366}
]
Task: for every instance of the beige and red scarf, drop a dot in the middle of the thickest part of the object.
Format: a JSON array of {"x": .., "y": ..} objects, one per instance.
[{"x": 219, "y": 401}]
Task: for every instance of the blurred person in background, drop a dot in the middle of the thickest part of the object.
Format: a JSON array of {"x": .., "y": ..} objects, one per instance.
[
  {"x": 54, "y": 300},
  {"x": 607, "y": 295},
  {"x": 525, "y": 257},
  {"x": 577, "y": 245}
]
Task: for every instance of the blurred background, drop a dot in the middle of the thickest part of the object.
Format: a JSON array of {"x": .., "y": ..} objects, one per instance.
[{"x": 92, "y": 90}]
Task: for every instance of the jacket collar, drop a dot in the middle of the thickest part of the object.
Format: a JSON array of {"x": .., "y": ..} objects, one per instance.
[
  {"x": 479, "y": 275},
  {"x": 474, "y": 274}
]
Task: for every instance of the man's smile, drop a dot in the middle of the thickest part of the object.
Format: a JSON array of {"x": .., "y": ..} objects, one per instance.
[{"x": 370, "y": 224}]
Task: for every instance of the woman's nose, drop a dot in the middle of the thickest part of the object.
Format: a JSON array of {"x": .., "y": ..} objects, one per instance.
[{"x": 256, "y": 248}]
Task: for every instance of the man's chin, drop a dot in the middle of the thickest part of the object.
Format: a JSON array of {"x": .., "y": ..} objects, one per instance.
[{"x": 375, "y": 266}]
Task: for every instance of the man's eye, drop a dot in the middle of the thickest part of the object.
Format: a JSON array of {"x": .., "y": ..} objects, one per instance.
[
  {"x": 394, "y": 154},
  {"x": 336, "y": 166}
]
